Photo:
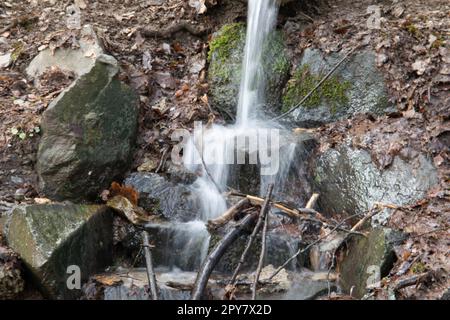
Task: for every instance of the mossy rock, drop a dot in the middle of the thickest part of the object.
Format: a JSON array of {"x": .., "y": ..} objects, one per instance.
[
  {"x": 357, "y": 86},
  {"x": 225, "y": 58},
  {"x": 368, "y": 260},
  {"x": 88, "y": 135},
  {"x": 50, "y": 238}
]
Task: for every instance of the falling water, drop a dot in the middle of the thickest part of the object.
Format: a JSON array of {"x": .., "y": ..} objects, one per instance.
[
  {"x": 212, "y": 150},
  {"x": 261, "y": 20}
]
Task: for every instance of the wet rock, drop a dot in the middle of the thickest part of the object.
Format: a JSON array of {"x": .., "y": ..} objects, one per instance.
[
  {"x": 159, "y": 194},
  {"x": 180, "y": 245},
  {"x": 367, "y": 260},
  {"x": 287, "y": 162},
  {"x": 224, "y": 74},
  {"x": 280, "y": 247},
  {"x": 132, "y": 284},
  {"x": 88, "y": 134},
  {"x": 348, "y": 181},
  {"x": 80, "y": 61},
  {"x": 303, "y": 285},
  {"x": 50, "y": 238},
  {"x": 5, "y": 60},
  {"x": 11, "y": 277},
  {"x": 357, "y": 86}
]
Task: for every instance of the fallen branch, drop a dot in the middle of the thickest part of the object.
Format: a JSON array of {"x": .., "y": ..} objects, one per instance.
[
  {"x": 149, "y": 265},
  {"x": 252, "y": 237},
  {"x": 312, "y": 201},
  {"x": 317, "y": 86},
  {"x": 227, "y": 215},
  {"x": 293, "y": 213},
  {"x": 214, "y": 257},
  {"x": 261, "y": 257},
  {"x": 163, "y": 160},
  {"x": 411, "y": 281}
]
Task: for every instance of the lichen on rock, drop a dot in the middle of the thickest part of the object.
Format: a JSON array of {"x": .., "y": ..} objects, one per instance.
[
  {"x": 226, "y": 53},
  {"x": 357, "y": 86}
]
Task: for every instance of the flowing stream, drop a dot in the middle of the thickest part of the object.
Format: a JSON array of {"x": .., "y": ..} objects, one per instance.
[{"x": 215, "y": 151}]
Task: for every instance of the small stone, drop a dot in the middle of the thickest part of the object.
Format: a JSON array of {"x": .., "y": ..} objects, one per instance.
[
  {"x": 420, "y": 66},
  {"x": 19, "y": 195},
  {"x": 5, "y": 60},
  {"x": 17, "y": 180}
]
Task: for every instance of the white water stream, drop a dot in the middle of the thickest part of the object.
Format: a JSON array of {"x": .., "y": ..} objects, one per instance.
[{"x": 216, "y": 145}]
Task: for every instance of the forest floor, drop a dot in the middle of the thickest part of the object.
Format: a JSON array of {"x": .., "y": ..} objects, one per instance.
[{"x": 166, "y": 64}]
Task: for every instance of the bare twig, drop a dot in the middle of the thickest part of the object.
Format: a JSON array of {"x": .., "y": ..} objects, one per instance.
[
  {"x": 163, "y": 160},
  {"x": 411, "y": 281},
  {"x": 252, "y": 236},
  {"x": 217, "y": 253},
  {"x": 228, "y": 215},
  {"x": 149, "y": 265},
  {"x": 261, "y": 255},
  {"x": 312, "y": 201},
  {"x": 318, "y": 85}
]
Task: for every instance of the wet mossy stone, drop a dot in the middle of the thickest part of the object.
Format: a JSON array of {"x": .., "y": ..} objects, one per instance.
[
  {"x": 368, "y": 260},
  {"x": 50, "y": 238},
  {"x": 357, "y": 86},
  {"x": 226, "y": 53},
  {"x": 349, "y": 181},
  {"x": 88, "y": 134}
]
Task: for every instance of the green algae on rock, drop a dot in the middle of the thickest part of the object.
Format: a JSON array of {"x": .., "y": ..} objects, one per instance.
[
  {"x": 50, "y": 238},
  {"x": 357, "y": 86},
  {"x": 226, "y": 51}
]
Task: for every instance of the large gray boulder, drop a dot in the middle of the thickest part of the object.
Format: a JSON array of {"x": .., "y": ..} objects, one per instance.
[
  {"x": 50, "y": 238},
  {"x": 357, "y": 86},
  {"x": 348, "y": 181},
  {"x": 88, "y": 134},
  {"x": 225, "y": 68},
  {"x": 79, "y": 61}
]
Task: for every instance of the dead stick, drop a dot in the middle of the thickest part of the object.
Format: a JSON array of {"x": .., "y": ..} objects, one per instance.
[
  {"x": 228, "y": 215},
  {"x": 411, "y": 281},
  {"x": 317, "y": 86},
  {"x": 361, "y": 222},
  {"x": 293, "y": 213},
  {"x": 214, "y": 257},
  {"x": 261, "y": 255},
  {"x": 252, "y": 236},
  {"x": 149, "y": 265},
  {"x": 312, "y": 201}
]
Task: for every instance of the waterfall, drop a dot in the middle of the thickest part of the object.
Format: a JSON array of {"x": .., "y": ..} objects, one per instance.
[
  {"x": 261, "y": 20},
  {"x": 212, "y": 151},
  {"x": 216, "y": 145}
]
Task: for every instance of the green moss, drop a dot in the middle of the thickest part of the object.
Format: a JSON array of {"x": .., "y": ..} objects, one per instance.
[
  {"x": 226, "y": 40},
  {"x": 419, "y": 267},
  {"x": 333, "y": 90}
]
